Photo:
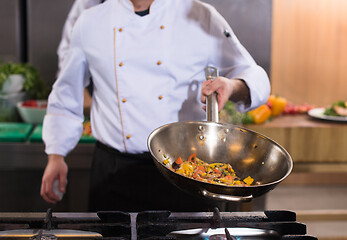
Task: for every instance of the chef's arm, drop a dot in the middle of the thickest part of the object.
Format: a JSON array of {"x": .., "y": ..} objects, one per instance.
[
  {"x": 235, "y": 90},
  {"x": 234, "y": 62},
  {"x": 240, "y": 93},
  {"x": 56, "y": 169},
  {"x": 62, "y": 125}
]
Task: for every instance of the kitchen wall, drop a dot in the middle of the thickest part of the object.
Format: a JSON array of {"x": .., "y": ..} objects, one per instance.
[
  {"x": 45, "y": 19},
  {"x": 301, "y": 42},
  {"x": 251, "y": 21},
  {"x": 309, "y": 50},
  {"x": 45, "y": 23},
  {"x": 10, "y": 31},
  {"x": 30, "y": 31}
]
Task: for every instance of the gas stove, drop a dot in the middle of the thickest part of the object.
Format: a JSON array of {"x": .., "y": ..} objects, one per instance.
[{"x": 153, "y": 225}]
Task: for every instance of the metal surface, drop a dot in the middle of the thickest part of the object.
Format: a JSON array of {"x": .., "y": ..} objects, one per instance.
[
  {"x": 212, "y": 104},
  {"x": 219, "y": 233},
  {"x": 11, "y": 35},
  {"x": 45, "y": 24},
  {"x": 59, "y": 233},
  {"x": 159, "y": 224},
  {"x": 22, "y": 165},
  {"x": 248, "y": 152},
  {"x": 250, "y": 18}
]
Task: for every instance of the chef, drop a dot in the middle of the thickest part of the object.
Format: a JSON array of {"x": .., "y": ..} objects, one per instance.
[{"x": 147, "y": 61}]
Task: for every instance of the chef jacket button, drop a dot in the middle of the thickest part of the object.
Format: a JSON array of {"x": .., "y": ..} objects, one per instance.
[
  {"x": 159, "y": 63},
  {"x": 128, "y": 136},
  {"x": 120, "y": 29},
  {"x": 120, "y": 64},
  {"x": 162, "y": 27},
  {"x": 160, "y": 97},
  {"x": 124, "y": 100}
]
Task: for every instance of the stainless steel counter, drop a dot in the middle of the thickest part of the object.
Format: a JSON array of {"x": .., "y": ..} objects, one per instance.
[
  {"x": 32, "y": 156},
  {"x": 21, "y": 169}
]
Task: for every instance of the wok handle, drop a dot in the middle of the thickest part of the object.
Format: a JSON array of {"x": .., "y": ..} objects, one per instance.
[
  {"x": 211, "y": 102},
  {"x": 216, "y": 196}
]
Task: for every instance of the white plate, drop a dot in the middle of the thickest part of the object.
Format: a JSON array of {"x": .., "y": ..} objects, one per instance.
[{"x": 319, "y": 114}]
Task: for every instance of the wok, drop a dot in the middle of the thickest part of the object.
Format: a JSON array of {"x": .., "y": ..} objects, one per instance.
[{"x": 248, "y": 152}]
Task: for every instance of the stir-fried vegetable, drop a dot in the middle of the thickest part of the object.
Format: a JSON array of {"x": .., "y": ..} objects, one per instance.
[{"x": 217, "y": 173}]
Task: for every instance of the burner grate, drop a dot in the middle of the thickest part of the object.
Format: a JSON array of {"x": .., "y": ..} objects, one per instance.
[
  {"x": 158, "y": 224},
  {"x": 150, "y": 225}
]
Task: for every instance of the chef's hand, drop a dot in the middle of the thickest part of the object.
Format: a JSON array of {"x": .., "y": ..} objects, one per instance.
[
  {"x": 234, "y": 90},
  {"x": 56, "y": 169}
]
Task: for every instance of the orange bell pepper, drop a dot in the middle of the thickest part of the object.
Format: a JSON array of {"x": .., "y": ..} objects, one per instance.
[
  {"x": 179, "y": 161},
  {"x": 260, "y": 114},
  {"x": 191, "y": 157},
  {"x": 277, "y": 104}
]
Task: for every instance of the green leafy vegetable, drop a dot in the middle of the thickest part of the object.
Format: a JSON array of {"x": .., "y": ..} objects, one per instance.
[
  {"x": 229, "y": 114},
  {"x": 33, "y": 84},
  {"x": 330, "y": 111}
]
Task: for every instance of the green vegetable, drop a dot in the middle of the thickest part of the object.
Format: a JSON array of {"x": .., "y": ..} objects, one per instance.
[
  {"x": 229, "y": 114},
  {"x": 331, "y": 111},
  {"x": 33, "y": 84}
]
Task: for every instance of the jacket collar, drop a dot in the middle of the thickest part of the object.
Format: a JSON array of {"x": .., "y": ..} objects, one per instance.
[{"x": 155, "y": 6}]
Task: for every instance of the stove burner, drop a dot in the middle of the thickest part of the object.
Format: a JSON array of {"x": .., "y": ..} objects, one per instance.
[
  {"x": 48, "y": 219},
  {"x": 269, "y": 224},
  {"x": 149, "y": 225},
  {"x": 43, "y": 237},
  {"x": 228, "y": 236}
]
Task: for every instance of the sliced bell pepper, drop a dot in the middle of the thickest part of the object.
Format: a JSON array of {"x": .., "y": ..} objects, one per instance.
[
  {"x": 179, "y": 160},
  {"x": 191, "y": 157}
]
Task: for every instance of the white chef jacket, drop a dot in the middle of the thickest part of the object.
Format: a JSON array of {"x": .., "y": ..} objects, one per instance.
[{"x": 147, "y": 72}]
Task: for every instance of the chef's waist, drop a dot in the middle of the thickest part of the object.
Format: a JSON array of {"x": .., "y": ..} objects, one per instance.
[{"x": 145, "y": 156}]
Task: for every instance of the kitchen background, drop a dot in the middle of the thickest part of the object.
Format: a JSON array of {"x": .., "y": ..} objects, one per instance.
[
  {"x": 31, "y": 30},
  {"x": 301, "y": 45}
]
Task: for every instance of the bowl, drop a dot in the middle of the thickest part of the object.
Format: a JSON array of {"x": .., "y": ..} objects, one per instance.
[
  {"x": 8, "y": 106},
  {"x": 13, "y": 84},
  {"x": 32, "y": 111}
]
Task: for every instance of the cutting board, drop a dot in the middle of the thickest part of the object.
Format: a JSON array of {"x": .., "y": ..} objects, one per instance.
[{"x": 15, "y": 132}]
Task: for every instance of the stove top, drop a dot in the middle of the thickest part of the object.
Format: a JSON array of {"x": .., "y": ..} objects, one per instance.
[{"x": 154, "y": 225}]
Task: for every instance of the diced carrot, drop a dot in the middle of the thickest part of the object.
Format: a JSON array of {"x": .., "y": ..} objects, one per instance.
[
  {"x": 179, "y": 160},
  {"x": 216, "y": 170},
  {"x": 201, "y": 169},
  {"x": 229, "y": 177},
  {"x": 191, "y": 157}
]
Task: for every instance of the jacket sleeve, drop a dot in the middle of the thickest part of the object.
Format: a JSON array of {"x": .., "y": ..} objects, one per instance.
[
  {"x": 76, "y": 10},
  {"x": 62, "y": 125},
  {"x": 234, "y": 61}
]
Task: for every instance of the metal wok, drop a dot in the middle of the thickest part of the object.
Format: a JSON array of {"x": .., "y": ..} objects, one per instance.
[{"x": 248, "y": 152}]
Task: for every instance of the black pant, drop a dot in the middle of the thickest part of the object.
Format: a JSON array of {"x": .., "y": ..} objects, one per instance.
[{"x": 132, "y": 183}]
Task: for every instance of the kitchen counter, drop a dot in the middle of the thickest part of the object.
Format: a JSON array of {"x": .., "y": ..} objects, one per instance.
[
  {"x": 318, "y": 147},
  {"x": 306, "y": 139},
  {"x": 29, "y": 155},
  {"x": 21, "y": 169}
]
